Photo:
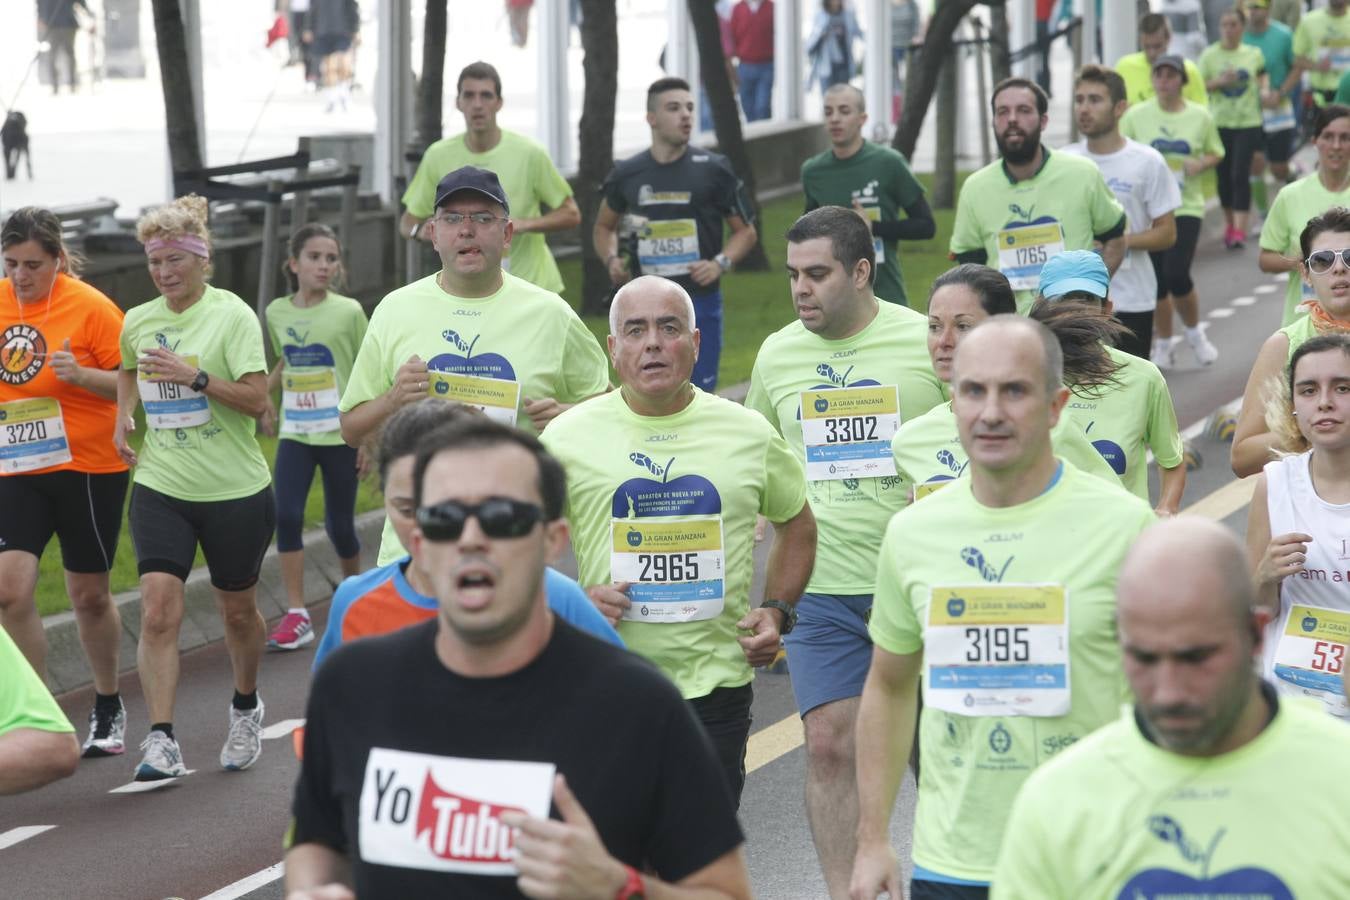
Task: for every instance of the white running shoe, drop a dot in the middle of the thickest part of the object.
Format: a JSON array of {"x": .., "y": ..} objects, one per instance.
[
  {"x": 1205, "y": 352},
  {"x": 243, "y": 745},
  {"x": 107, "y": 732},
  {"x": 163, "y": 758},
  {"x": 1163, "y": 355}
]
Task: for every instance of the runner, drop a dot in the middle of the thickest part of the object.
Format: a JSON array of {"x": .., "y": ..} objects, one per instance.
[
  {"x": 664, "y": 482},
  {"x": 1185, "y": 134},
  {"x": 669, "y": 202},
  {"x": 847, "y": 350},
  {"x": 871, "y": 179},
  {"x": 193, "y": 358},
  {"x": 927, "y": 450},
  {"x": 417, "y": 793},
  {"x": 1139, "y": 177},
  {"x": 1031, "y": 204},
  {"x": 1299, "y": 507},
  {"x": 391, "y": 597},
  {"x": 1193, "y": 792},
  {"x": 1235, "y": 76},
  {"x": 315, "y": 334},
  {"x": 470, "y": 333},
  {"x": 528, "y": 175},
  {"x": 1326, "y": 269},
  {"x": 1155, "y": 35},
  {"x": 959, "y": 576},
  {"x": 59, "y": 473},
  {"x": 1310, "y": 196},
  {"x": 1322, "y": 46},
  {"x": 37, "y": 742},
  {"x": 1279, "y": 123},
  {"x": 1132, "y": 413}
]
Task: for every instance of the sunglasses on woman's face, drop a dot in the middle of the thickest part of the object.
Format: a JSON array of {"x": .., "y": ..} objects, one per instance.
[
  {"x": 499, "y": 517},
  {"x": 1320, "y": 261}
]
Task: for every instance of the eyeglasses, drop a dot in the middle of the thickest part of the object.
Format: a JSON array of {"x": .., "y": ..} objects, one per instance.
[
  {"x": 1321, "y": 261},
  {"x": 481, "y": 219},
  {"x": 499, "y": 517}
]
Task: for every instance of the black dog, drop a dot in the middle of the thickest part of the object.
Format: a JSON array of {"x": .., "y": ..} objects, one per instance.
[{"x": 14, "y": 137}]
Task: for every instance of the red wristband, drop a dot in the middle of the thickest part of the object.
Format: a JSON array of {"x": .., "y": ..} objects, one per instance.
[{"x": 632, "y": 888}]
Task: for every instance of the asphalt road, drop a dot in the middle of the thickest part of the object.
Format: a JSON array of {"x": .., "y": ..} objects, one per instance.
[{"x": 205, "y": 833}]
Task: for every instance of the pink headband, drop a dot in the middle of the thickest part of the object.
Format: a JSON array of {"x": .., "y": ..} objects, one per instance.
[{"x": 189, "y": 242}]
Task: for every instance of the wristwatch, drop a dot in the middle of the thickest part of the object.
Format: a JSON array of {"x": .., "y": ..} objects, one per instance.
[
  {"x": 724, "y": 261},
  {"x": 632, "y": 888},
  {"x": 789, "y": 614},
  {"x": 199, "y": 383},
  {"x": 412, "y": 233}
]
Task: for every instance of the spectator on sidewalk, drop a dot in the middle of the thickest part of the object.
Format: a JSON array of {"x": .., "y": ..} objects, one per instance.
[
  {"x": 752, "y": 45},
  {"x": 58, "y": 25},
  {"x": 830, "y": 46}
]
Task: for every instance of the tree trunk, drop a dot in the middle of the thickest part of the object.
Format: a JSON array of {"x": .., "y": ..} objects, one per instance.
[
  {"x": 600, "y": 43},
  {"x": 726, "y": 120},
  {"x": 431, "y": 86},
  {"x": 937, "y": 46},
  {"x": 175, "y": 74},
  {"x": 1000, "y": 59},
  {"x": 944, "y": 178}
]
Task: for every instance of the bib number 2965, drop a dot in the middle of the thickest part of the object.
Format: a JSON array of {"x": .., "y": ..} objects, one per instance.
[{"x": 668, "y": 566}]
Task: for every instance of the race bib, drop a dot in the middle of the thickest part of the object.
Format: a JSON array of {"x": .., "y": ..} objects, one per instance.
[
  {"x": 496, "y": 397},
  {"x": 848, "y": 431},
  {"x": 676, "y": 567},
  {"x": 930, "y": 487},
  {"x": 998, "y": 650},
  {"x": 34, "y": 435},
  {"x": 668, "y": 248},
  {"x": 1311, "y": 655},
  {"x": 1178, "y": 166},
  {"x": 1337, "y": 51},
  {"x": 310, "y": 401},
  {"x": 1279, "y": 119},
  {"x": 873, "y": 214},
  {"x": 1023, "y": 249},
  {"x": 169, "y": 405},
  {"x": 443, "y": 813}
]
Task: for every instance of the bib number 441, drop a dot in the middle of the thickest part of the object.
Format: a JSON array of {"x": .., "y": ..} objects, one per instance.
[{"x": 997, "y": 644}]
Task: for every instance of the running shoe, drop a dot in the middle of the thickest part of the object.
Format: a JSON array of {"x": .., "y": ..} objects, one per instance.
[
  {"x": 243, "y": 745},
  {"x": 1163, "y": 355},
  {"x": 163, "y": 759},
  {"x": 107, "y": 732},
  {"x": 1205, "y": 352},
  {"x": 1234, "y": 239},
  {"x": 292, "y": 632}
]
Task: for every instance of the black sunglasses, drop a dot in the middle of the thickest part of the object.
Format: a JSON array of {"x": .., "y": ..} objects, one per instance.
[{"x": 499, "y": 517}]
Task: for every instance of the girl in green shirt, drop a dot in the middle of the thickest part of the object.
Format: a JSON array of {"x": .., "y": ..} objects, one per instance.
[{"x": 1235, "y": 77}]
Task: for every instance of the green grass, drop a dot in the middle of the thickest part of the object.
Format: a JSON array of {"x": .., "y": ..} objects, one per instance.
[{"x": 756, "y": 305}]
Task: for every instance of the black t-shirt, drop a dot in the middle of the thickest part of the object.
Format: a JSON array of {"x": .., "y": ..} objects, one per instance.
[
  {"x": 684, "y": 202},
  {"x": 390, "y": 733}
]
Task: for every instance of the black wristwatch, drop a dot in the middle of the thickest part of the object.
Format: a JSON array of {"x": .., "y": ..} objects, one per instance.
[
  {"x": 199, "y": 383},
  {"x": 789, "y": 614}
]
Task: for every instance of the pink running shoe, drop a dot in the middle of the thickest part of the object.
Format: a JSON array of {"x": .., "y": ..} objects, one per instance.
[{"x": 292, "y": 632}]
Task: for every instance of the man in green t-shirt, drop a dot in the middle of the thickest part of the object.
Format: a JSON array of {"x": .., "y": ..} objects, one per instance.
[
  {"x": 996, "y": 595},
  {"x": 1017, "y": 212},
  {"x": 872, "y": 180},
  {"x": 1211, "y": 786},
  {"x": 471, "y": 333},
  {"x": 837, "y": 383},
  {"x": 1322, "y": 46},
  {"x": 1155, "y": 34},
  {"x": 1279, "y": 103},
  {"x": 541, "y": 197},
  {"x": 37, "y": 741},
  {"x": 663, "y": 485}
]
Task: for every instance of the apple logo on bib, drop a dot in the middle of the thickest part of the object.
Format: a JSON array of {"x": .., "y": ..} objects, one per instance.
[
  {"x": 300, "y": 355},
  {"x": 484, "y": 365},
  {"x": 835, "y": 380},
  {"x": 1309, "y": 624},
  {"x": 1157, "y": 883},
  {"x": 687, "y": 495}
]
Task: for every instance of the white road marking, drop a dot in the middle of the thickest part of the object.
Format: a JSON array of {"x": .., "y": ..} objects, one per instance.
[
  {"x": 248, "y": 885},
  {"x": 140, "y": 787},
  {"x": 1244, "y": 301},
  {"x": 1265, "y": 289},
  {"x": 1222, "y": 312},
  {"x": 1283, "y": 276},
  {"x": 20, "y": 834},
  {"x": 281, "y": 729}
]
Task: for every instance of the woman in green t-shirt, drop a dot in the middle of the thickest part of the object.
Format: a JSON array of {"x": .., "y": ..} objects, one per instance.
[{"x": 1235, "y": 77}]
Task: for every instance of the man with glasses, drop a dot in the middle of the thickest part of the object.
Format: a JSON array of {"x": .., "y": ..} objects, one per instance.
[
  {"x": 471, "y": 333},
  {"x": 664, "y": 483},
  {"x": 446, "y": 789}
]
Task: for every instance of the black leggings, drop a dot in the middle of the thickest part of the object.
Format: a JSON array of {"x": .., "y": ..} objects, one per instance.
[
  {"x": 1173, "y": 265},
  {"x": 294, "y": 474},
  {"x": 1239, "y": 144}
]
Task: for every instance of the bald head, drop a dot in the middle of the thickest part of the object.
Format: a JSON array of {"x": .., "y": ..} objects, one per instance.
[
  {"x": 1187, "y": 562},
  {"x": 1007, "y": 329},
  {"x": 845, "y": 91},
  {"x": 648, "y": 289}
]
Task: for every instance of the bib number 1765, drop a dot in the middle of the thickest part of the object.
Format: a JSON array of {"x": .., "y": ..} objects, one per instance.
[{"x": 998, "y": 644}]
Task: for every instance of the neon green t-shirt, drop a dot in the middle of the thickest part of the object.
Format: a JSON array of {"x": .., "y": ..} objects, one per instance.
[
  {"x": 697, "y": 479},
  {"x": 1299, "y": 332},
  {"x": 851, "y": 512},
  {"x": 319, "y": 344},
  {"x": 1322, "y": 36},
  {"x": 1021, "y": 224},
  {"x": 1118, "y": 817},
  {"x": 522, "y": 335},
  {"x": 25, "y": 701},
  {"x": 1138, "y": 75},
  {"x": 1293, "y": 206},
  {"x": 928, "y": 452},
  {"x": 1124, "y": 422},
  {"x": 529, "y": 178},
  {"x": 216, "y": 459},
  {"x": 973, "y": 765},
  {"x": 1239, "y": 104},
  {"x": 1188, "y": 133}
]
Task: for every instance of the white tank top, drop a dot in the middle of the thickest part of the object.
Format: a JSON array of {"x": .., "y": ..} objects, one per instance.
[{"x": 1323, "y": 585}]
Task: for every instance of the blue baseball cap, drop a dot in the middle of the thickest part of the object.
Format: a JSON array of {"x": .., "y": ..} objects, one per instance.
[{"x": 1074, "y": 270}]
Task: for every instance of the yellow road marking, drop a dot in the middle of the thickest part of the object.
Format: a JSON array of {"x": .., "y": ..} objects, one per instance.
[{"x": 1225, "y": 501}]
